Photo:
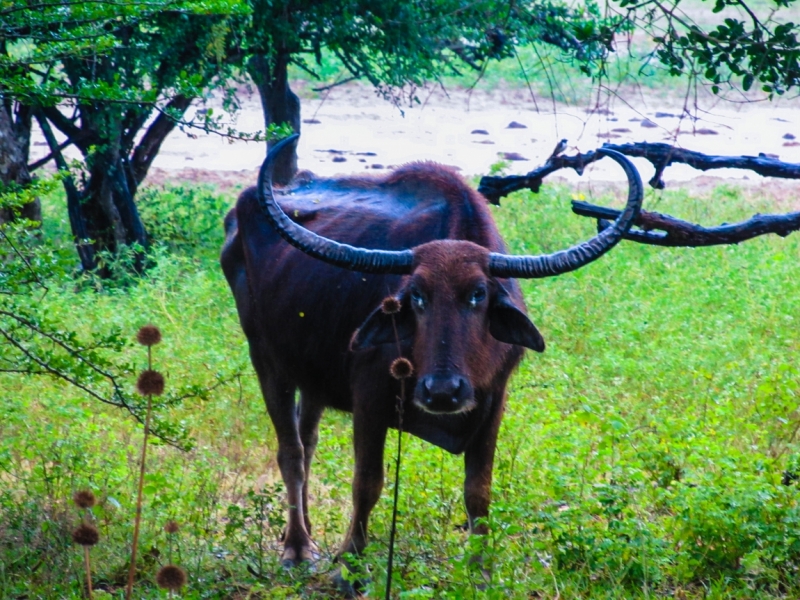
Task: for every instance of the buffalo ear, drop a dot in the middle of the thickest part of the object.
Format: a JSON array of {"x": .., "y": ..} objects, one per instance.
[
  {"x": 509, "y": 324},
  {"x": 378, "y": 328}
]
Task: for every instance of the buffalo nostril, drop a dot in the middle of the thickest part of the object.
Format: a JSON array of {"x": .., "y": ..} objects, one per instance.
[
  {"x": 427, "y": 397},
  {"x": 443, "y": 393}
]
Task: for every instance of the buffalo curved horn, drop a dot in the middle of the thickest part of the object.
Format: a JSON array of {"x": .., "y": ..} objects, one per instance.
[
  {"x": 548, "y": 265},
  {"x": 335, "y": 253}
]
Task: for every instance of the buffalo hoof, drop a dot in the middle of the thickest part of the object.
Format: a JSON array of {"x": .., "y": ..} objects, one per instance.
[
  {"x": 295, "y": 555},
  {"x": 348, "y": 589},
  {"x": 477, "y": 563}
]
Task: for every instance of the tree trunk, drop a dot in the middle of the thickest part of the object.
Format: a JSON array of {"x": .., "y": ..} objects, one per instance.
[
  {"x": 144, "y": 154},
  {"x": 109, "y": 207},
  {"x": 279, "y": 103},
  {"x": 77, "y": 222},
  {"x": 14, "y": 142},
  {"x": 103, "y": 214}
]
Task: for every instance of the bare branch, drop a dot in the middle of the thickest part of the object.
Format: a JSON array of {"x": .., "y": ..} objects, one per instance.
[
  {"x": 43, "y": 161},
  {"x": 663, "y": 155},
  {"x": 678, "y": 233},
  {"x": 325, "y": 88},
  {"x": 660, "y": 156},
  {"x": 671, "y": 231},
  {"x": 494, "y": 188}
]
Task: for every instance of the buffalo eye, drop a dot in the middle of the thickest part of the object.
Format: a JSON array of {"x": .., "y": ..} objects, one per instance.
[
  {"x": 477, "y": 296},
  {"x": 417, "y": 299}
]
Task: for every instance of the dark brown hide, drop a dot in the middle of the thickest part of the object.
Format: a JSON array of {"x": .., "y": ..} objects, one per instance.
[{"x": 320, "y": 329}]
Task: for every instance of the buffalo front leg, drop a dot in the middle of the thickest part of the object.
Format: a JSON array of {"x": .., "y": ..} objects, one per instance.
[
  {"x": 478, "y": 463},
  {"x": 369, "y": 438},
  {"x": 279, "y": 397}
]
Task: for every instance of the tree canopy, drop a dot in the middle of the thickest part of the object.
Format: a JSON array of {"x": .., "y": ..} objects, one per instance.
[
  {"x": 751, "y": 42},
  {"x": 97, "y": 72}
]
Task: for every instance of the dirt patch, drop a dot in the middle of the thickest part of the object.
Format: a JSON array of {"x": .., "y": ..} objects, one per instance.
[
  {"x": 224, "y": 181},
  {"x": 370, "y": 135}
]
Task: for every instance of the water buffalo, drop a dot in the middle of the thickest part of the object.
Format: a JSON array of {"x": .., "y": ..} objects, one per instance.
[{"x": 312, "y": 311}]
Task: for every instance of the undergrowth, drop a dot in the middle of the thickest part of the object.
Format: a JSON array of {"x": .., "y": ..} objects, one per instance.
[{"x": 650, "y": 451}]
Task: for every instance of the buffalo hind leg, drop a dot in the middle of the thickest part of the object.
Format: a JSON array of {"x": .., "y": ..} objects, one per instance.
[
  {"x": 279, "y": 397},
  {"x": 311, "y": 410}
]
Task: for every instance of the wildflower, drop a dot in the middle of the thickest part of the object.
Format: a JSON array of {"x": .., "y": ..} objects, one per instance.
[
  {"x": 401, "y": 368},
  {"x": 150, "y": 382},
  {"x": 171, "y": 527},
  {"x": 171, "y": 577},
  {"x": 148, "y": 335},
  {"x": 86, "y": 534},
  {"x": 390, "y": 305},
  {"x": 84, "y": 499}
]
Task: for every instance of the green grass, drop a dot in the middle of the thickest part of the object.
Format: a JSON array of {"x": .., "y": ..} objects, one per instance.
[{"x": 640, "y": 456}]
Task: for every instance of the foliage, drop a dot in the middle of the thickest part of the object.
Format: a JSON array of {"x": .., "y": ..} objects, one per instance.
[
  {"x": 39, "y": 40},
  {"x": 36, "y": 341},
  {"x": 394, "y": 43},
  {"x": 651, "y": 451},
  {"x": 115, "y": 66},
  {"x": 751, "y": 42}
]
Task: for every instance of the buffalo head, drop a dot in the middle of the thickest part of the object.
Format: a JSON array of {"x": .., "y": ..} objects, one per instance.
[{"x": 454, "y": 314}]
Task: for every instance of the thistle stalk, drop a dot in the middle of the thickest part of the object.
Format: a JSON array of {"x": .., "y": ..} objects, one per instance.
[
  {"x": 138, "y": 521},
  {"x": 150, "y": 383},
  {"x": 88, "y": 566}
]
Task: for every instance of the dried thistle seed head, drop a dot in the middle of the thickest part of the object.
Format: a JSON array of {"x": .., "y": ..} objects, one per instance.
[
  {"x": 150, "y": 382},
  {"x": 170, "y": 577},
  {"x": 171, "y": 527},
  {"x": 390, "y": 305},
  {"x": 84, "y": 499},
  {"x": 86, "y": 534},
  {"x": 401, "y": 368},
  {"x": 148, "y": 335}
]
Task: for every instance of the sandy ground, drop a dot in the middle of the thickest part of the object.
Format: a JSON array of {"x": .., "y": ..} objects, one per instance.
[{"x": 352, "y": 130}]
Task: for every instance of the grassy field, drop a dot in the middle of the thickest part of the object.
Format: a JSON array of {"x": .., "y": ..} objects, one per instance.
[{"x": 644, "y": 454}]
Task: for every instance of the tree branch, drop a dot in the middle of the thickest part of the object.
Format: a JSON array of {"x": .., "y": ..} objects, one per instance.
[
  {"x": 79, "y": 231},
  {"x": 663, "y": 155},
  {"x": 74, "y": 133},
  {"x": 147, "y": 149},
  {"x": 678, "y": 233},
  {"x": 43, "y": 161},
  {"x": 671, "y": 231},
  {"x": 325, "y": 88},
  {"x": 660, "y": 156},
  {"x": 494, "y": 188}
]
